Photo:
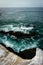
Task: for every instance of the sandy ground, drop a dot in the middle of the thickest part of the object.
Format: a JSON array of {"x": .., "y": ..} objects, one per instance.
[{"x": 9, "y": 58}]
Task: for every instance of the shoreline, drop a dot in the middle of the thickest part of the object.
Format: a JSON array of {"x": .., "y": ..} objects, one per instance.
[{"x": 9, "y": 58}]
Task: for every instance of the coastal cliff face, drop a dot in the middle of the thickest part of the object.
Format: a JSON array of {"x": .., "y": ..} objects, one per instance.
[{"x": 9, "y": 58}]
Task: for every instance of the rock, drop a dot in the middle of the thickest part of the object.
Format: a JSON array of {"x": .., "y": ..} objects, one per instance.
[
  {"x": 9, "y": 58},
  {"x": 28, "y": 54},
  {"x": 19, "y": 34},
  {"x": 38, "y": 59}
]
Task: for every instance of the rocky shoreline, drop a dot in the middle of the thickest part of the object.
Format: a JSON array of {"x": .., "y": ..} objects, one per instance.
[
  {"x": 26, "y": 54},
  {"x": 9, "y": 58}
]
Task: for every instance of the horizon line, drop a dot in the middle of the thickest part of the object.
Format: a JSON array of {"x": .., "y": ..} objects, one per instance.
[{"x": 21, "y": 7}]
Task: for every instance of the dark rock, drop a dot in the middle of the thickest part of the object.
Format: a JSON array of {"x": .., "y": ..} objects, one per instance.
[
  {"x": 28, "y": 54},
  {"x": 3, "y": 32},
  {"x": 19, "y": 34}
]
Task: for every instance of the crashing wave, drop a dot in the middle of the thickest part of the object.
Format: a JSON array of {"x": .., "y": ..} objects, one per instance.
[
  {"x": 16, "y": 28},
  {"x": 17, "y": 44},
  {"x": 12, "y": 37}
]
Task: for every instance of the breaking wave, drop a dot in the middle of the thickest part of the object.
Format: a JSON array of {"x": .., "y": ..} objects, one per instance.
[
  {"x": 23, "y": 21},
  {"x": 18, "y": 44}
]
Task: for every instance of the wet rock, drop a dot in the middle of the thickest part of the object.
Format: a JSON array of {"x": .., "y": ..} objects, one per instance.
[
  {"x": 19, "y": 34},
  {"x": 3, "y": 32},
  {"x": 28, "y": 54}
]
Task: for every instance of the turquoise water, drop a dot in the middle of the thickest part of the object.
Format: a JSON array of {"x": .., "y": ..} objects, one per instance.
[{"x": 23, "y": 20}]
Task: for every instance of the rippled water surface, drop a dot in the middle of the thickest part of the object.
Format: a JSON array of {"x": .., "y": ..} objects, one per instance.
[{"x": 21, "y": 20}]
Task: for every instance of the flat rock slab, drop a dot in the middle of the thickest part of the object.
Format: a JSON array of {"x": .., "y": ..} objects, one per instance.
[{"x": 9, "y": 58}]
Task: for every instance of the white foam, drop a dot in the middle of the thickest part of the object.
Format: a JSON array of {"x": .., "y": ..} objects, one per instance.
[
  {"x": 16, "y": 28},
  {"x": 6, "y": 42},
  {"x": 27, "y": 28}
]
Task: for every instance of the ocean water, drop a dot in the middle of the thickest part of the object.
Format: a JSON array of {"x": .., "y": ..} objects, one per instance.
[{"x": 21, "y": 20}]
